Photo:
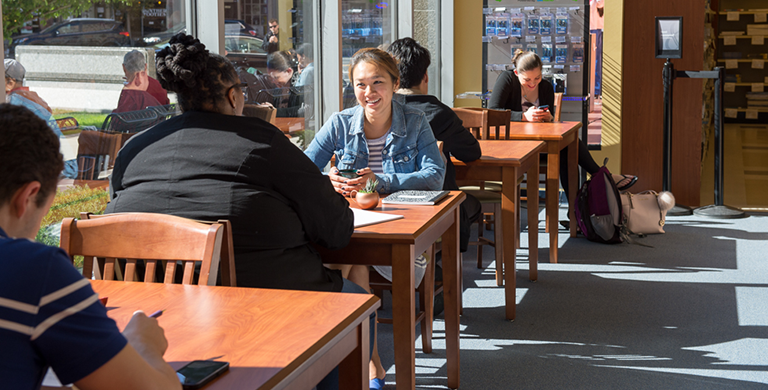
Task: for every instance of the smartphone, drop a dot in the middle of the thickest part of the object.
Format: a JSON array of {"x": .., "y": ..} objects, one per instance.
[
  {"x": 349, "y": 173},
  {"x": 544, "y": 107},
  {"x": 197, "y": 373}
]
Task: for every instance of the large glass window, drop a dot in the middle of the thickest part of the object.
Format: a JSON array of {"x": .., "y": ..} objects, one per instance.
[
  {"x": 363, "y": 24},
  {"x": 426, "y": 29}
]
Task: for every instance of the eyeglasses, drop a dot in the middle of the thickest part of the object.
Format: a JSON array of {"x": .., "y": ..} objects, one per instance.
[
  {"x": 243, "y": 88},
  {"x": 275, "y": 26}
]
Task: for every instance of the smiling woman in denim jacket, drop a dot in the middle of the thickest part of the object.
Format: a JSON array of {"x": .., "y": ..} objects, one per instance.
[
  {"x": 383, "y": 140},
  {"x": 380, "y": 138}
]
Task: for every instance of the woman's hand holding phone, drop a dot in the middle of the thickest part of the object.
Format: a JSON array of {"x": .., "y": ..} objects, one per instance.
[{"x": 538, "y": 114}]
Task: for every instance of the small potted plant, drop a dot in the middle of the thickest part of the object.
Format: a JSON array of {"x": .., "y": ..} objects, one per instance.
[{"x": 367, "y": 198}]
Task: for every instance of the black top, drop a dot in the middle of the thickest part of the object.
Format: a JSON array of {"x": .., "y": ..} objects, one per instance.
[
  {"x": 507, "y": 96},
  {"x": 447, "y": 127},
  {"x": 211, "y": 166},
  {"x": 268, "y": 46}
]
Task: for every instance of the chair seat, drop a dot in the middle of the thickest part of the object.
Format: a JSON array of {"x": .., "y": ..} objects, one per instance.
[{"x": 485, "y": 196}]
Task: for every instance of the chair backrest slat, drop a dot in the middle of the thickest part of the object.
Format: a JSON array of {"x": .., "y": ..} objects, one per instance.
[{"x": 485, "y": 123}]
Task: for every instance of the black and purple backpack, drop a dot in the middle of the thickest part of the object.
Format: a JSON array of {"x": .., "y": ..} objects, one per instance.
[{"x": 598, "y": 208}]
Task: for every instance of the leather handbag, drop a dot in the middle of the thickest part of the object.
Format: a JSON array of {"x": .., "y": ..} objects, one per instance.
[{"x": 643, "y": 212}]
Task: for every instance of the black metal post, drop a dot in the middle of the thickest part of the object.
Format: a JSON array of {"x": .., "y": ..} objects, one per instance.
[
  {"x": 669, "y": 75},
  {"x": 719, "y": 209}
]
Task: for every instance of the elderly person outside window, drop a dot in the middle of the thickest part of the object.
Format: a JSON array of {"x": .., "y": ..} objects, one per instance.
[{"x": 19, "y": 95}]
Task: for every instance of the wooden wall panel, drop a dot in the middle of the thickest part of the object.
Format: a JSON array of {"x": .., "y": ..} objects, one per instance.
[{"x": 643, "y": 99}]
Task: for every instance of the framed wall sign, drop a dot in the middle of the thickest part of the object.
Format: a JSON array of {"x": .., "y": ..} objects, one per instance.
[{"x": 669, "y": 37}]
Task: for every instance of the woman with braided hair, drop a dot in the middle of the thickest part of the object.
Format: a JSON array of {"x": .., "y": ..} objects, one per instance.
[{"x": 211, "y": 163}]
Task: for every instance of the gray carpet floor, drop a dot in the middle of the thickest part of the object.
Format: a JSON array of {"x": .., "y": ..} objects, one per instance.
[{"x": 689, "y": 313}]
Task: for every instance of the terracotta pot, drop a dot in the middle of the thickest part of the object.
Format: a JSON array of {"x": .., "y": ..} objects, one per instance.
[{"x": 367, "y": 201}]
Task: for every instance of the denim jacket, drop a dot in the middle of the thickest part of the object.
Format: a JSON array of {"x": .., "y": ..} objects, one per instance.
[{"x": 410, "y": 158}]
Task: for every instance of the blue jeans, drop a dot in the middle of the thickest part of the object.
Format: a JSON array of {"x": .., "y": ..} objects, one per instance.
[{"x": 331, "y": 381}]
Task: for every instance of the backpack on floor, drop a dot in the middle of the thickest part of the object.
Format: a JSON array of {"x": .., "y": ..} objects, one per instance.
[{"x": 598, "y": 208}]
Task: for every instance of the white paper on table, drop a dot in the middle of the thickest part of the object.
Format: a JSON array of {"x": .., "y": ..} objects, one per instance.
[
  {"x": 760, "y": 17},
  {"x": 731, "y": 113},
  {"x": 751, "y": 114},
  {"x": 733, "y": 16},
  {"x": 729, "y": 87},
  {"x": 757, "y": 87},
  {"x": 365, "y": 217},
  {"x": 729, "y": 40},
  {"x": 758, "y": 64},
  {"x": 68, "y": 146},
  {"x": 758, "y": 40},
  {"x": 731, "y": 64}
]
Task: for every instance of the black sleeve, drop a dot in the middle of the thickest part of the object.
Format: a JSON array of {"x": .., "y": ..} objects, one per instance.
[
  {"x": 458, "y": 141},
  {"x": 547, "y": 95},
  {"x": 324, "y": 214},
  {"x": 265, "y": 42},
  {"x": 503, "y": 95}
]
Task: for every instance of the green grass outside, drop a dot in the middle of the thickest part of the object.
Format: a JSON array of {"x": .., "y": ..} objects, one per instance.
[{"x": 83, "y": 118}]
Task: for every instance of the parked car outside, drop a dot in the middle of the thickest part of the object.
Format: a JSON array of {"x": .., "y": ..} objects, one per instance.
[
  {"x": 246, "y": 52},
  {"x": 231, "y": 27},
  {"x": 78, "y": 32}
]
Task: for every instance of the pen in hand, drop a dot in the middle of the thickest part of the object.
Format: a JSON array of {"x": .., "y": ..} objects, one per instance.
[{"x": 157, "y": 314}]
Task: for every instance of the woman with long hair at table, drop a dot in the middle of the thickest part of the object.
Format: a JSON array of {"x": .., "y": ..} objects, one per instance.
[
  {"x": 523, "y": 91},
  {"x": 382, "y": 140},
  {"x": 211, "y": 163}
]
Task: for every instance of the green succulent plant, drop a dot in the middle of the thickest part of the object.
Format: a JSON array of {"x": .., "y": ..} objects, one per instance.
[{"x": 370, "y": 186}]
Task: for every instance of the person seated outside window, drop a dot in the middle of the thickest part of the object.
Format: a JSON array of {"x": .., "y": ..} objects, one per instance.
[
  {"x": 275, "y": 88},
  {"x": 211, "y": 163},
  {"x": 412, "y": 62},
  {"x": 70, "y": 332},
  {"x": 17, "y": 94},
  {"x": 136, "y": 94},
  {"x": 382, "y": 140},
  {"x": 523, "y": 91}
]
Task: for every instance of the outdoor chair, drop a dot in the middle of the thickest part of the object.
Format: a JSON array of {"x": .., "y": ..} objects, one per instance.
[
  {"x": 149, "y": 237},
  {"x": 96, "y": 152},
  {"x": 132, "y": 121},
  {"x": 166, "y": 112}
]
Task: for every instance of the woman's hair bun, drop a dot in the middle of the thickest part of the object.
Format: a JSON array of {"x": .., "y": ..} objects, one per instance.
[{"x": 180, "y": 64}]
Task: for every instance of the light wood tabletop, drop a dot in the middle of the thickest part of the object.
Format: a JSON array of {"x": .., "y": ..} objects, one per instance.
[
  {"x": 397, "y": 243},
  {"x": 271, "y": 338},
  {"x": 557, "y": 135},
  {"x": 507, "y": 162}
]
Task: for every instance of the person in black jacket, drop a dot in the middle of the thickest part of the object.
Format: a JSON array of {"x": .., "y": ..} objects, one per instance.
[
  {"x": 271, "y": 41},
  {"x": 412, "y": 62},
  {"x": 523, "y": 91}
]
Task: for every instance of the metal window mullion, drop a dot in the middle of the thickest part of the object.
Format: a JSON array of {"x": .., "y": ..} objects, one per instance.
[{"x": 330, "y": 91}]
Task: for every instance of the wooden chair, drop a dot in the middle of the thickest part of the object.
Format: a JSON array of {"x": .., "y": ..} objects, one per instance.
[
  {"x": 558, "y": 105},
  {"x": 148, "y": 237},
  {"x": 227, "y": 257},
  {"x": 96, "y": 152},
  {"x": 259, "y": 111},
  {"x": 487, "y": 124}
]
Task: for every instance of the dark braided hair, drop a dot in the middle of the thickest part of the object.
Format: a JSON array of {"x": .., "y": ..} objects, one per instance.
[{"x": 196, "y": 75}]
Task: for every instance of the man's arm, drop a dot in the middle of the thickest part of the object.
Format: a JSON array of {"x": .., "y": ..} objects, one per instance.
[{"x": 140, "y": 364}]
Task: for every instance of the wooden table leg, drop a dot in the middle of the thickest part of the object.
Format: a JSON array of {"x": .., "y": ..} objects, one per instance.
[
  {"x": 573, "y": 181},
  {"x": 404, "y": 315},
  {"x": 353, "y": 370},
  {"x": 509, "y": 199},
  {"x": 452, "y": 292},
  {"x": 533, "y": 222},
  {"x": 553, "y": 191}
]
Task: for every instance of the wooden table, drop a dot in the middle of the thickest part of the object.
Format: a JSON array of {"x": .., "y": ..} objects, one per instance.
[
  {"x": 289, "y": 125},
  {"x": 273, "y": 339},
  {"x": 397, "y": 243},
  {"x": 507, "y": 162},
  {"x": 557, "y": 136}
]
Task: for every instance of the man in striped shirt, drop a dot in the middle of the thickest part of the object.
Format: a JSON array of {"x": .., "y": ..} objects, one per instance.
[{"x": 49, "y": 315}]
